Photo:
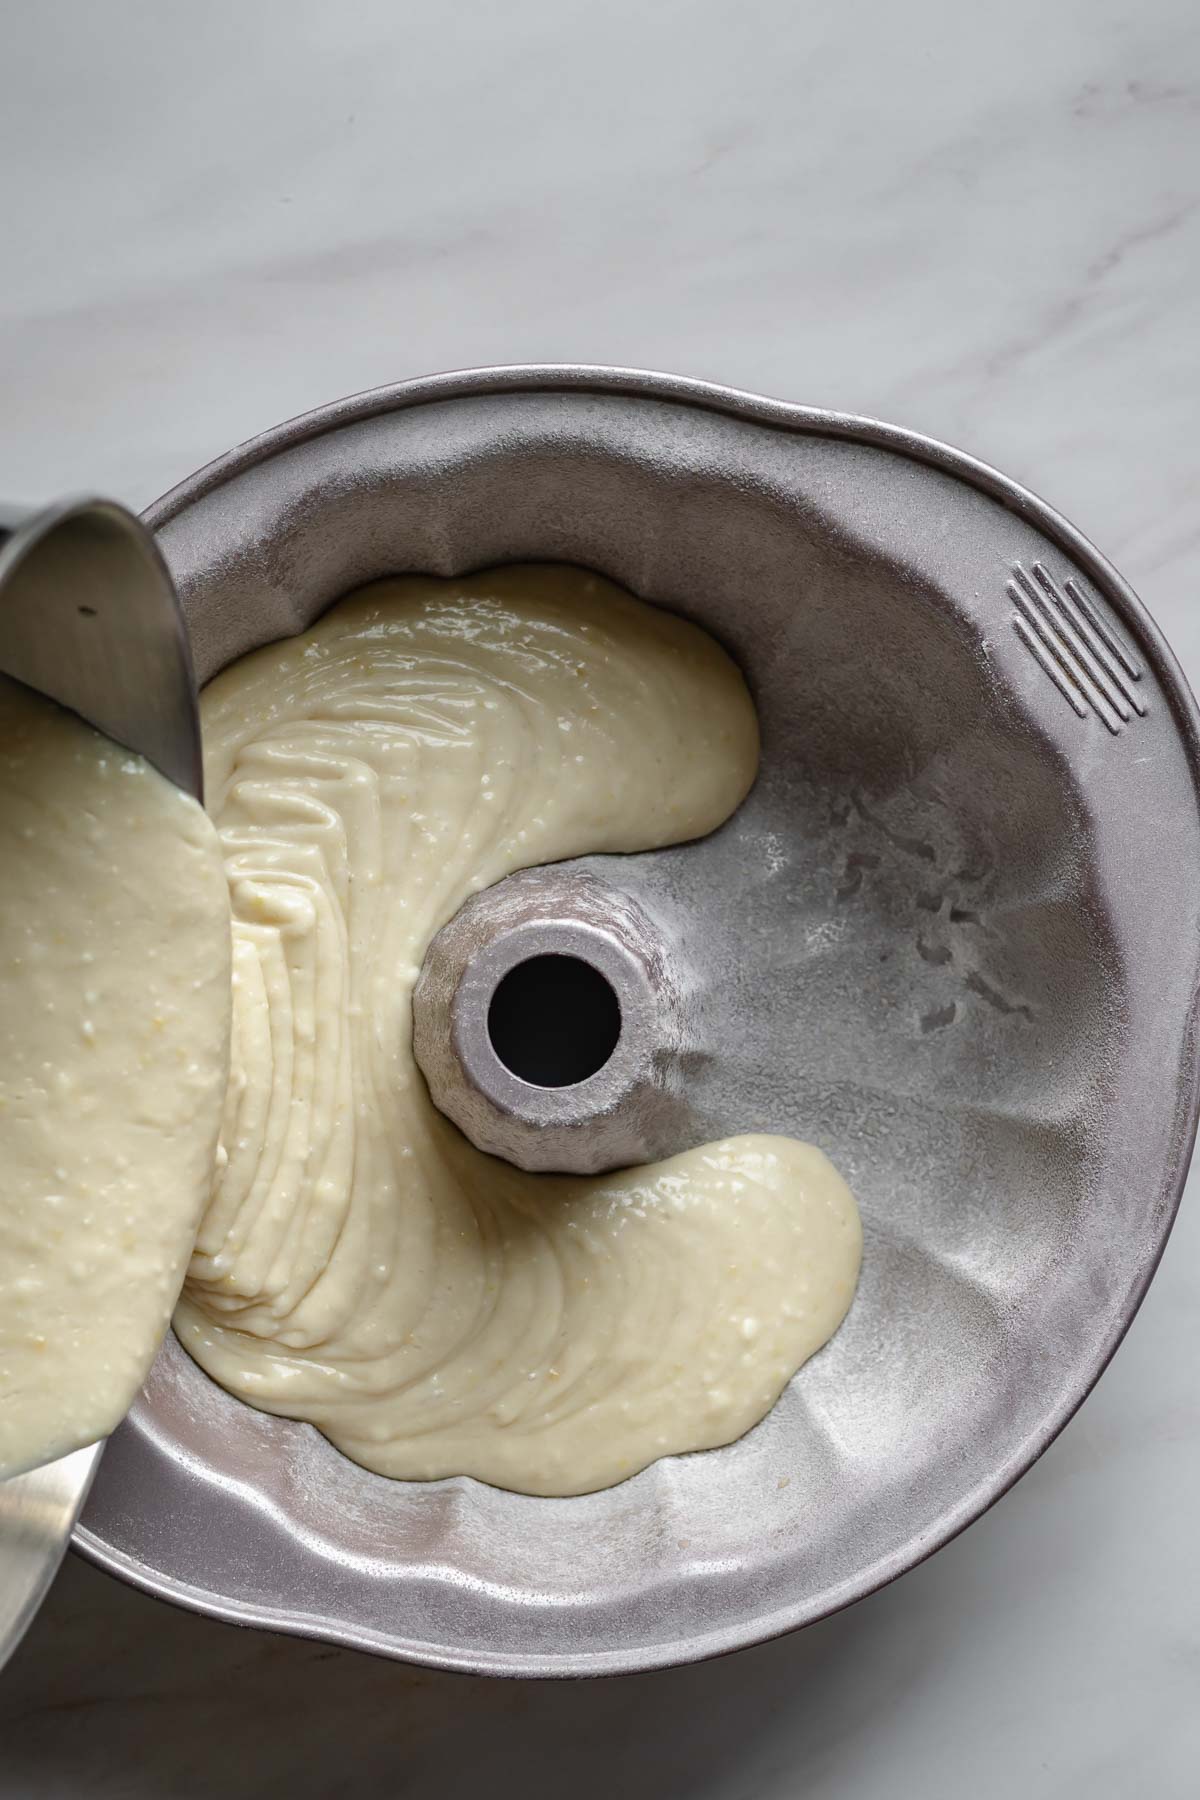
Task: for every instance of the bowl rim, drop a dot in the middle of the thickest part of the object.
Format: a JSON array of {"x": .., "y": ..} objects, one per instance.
[{"x": 790, "y": 418}]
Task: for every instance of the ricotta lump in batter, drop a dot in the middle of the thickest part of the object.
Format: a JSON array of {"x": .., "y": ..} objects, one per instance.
[
  {"x": 433, "y": 1310},
  {"x": 114, "y": 1034}
]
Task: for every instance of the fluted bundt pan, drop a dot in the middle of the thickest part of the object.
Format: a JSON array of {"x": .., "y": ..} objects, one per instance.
[{"x": 951, "y": 937}]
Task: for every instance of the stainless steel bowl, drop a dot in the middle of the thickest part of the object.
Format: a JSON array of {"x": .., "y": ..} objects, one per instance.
[
  {"x": 952, "y": 937},
  {"x": 88, "y": 617}
]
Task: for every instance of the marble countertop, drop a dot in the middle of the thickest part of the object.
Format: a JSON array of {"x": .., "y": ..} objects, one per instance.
[{"x": 980, "y": 222}]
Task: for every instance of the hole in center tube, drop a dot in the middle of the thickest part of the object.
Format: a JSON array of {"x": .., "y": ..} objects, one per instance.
[{"x": 554, "y": 1020}]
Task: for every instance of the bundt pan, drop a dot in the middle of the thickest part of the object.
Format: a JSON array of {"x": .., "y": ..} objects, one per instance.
[{"x": 951, "y": 937}]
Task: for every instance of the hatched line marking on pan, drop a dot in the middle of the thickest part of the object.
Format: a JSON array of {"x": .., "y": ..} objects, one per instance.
[{"x": 1089, "y": 664}]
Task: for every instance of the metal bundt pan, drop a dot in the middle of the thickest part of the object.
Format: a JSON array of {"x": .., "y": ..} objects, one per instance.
[{"x": 951, "y": 936}]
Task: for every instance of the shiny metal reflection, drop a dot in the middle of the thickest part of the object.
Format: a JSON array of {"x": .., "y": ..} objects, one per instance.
[{"x": 89, "y": 616}]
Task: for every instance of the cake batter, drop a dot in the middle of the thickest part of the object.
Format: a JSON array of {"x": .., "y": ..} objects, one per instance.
[
  {"x": 432, "y": 1310},
  {"x": 114, "y": 1031}
]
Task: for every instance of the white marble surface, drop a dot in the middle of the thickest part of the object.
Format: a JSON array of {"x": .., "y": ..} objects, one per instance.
[{"x": 982, "y": 222}]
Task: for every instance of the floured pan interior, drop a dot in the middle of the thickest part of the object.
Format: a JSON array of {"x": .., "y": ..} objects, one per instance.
[{"x": 927, "y": 944}]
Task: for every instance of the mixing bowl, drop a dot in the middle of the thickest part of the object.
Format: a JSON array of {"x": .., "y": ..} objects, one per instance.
[{"x": 951, "y": 937}]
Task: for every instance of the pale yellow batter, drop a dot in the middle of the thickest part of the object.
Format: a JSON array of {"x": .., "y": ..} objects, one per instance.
[
  {"x": 362, "y": 1266},
  {"x": 114, "y": 1027}
]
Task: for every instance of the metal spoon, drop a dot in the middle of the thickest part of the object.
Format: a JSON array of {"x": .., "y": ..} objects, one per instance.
[{"x": 89, "y": 617}]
